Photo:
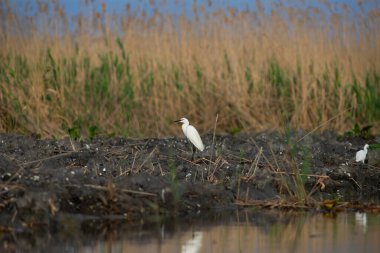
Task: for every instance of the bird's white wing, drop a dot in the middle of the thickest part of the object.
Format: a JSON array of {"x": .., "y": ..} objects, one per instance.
[
  {"x": 360, "y": 155},
  {"x": 357, "y": 156},
  {"x": 193, "y": 135}
]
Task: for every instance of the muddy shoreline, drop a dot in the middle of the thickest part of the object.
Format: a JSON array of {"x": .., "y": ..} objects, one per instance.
[{"x": 136, "y": 179}]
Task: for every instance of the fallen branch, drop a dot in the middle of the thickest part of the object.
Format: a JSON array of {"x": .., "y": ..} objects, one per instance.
[
  {"x": 99, "y": 187},
  {"x": 48, "y": 158}
]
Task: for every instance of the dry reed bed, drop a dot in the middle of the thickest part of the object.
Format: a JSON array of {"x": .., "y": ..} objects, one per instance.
[{"x": 257, "y": 71}]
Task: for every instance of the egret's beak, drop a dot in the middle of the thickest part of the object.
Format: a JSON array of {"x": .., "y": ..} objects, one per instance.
[{"x": 177, "y": 121}]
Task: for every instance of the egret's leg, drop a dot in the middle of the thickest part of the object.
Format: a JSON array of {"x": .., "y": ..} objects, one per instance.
[{"x": 194, "y": 150}]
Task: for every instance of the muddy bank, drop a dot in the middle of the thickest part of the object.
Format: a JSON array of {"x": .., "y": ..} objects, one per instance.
[{"x": 134, "y": 179}]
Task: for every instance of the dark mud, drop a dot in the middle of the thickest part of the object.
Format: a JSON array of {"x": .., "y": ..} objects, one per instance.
[{"x": 140, "y": 179}]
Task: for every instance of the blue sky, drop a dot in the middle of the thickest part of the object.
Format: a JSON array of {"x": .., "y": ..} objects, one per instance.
[
  {"x": 74, "y": 8},
  {"x": 175, "y": 7}
]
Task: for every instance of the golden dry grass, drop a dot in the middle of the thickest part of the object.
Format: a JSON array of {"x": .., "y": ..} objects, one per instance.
[{"x": 259, "y": 72}]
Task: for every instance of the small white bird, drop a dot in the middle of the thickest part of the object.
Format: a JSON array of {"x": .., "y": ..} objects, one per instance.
[
  {"x": 192, "y": 134},
  {"x": 361, "y": 154}
]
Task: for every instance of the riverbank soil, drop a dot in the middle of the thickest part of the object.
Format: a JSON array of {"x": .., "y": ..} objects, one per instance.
[{"x": 134, "y": 179}]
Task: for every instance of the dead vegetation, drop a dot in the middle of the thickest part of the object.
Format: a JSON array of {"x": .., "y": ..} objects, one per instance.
[{"x": 293, "y": 67}]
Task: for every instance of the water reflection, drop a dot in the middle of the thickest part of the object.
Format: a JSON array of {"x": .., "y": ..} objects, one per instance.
[
  {"x": 265, "y": 231},
  {"x": 194, "y": 244},
  {"x": 361, "y": 221}
]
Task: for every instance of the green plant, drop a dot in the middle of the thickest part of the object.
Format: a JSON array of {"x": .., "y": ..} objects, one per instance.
[
  {"x": 297, "y": 166},
  {"x": 93, "y": 131},
  {"x": 374, "y": 146},
  {"x": 250, "y": 82},
  {"x": 174, "y": 187},
  {"x": 357, "y": 131},
  {"x": 75, "y": 130}
]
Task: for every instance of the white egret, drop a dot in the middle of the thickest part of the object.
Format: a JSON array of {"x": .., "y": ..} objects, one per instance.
[
  {"x": 361, "y": 154},
  {"x": 192, "y": 134}
]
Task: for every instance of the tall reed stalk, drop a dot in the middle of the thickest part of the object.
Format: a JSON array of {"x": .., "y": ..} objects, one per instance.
[{"x": 131, "y": 74}]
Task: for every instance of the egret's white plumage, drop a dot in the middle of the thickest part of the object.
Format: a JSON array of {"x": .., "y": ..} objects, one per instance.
[
  {"x": 361, "y": 154},
  {"x": 192, "y": 134}
]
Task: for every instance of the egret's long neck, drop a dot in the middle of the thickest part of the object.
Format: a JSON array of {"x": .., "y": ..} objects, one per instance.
[{"x": 184, "y": 127}]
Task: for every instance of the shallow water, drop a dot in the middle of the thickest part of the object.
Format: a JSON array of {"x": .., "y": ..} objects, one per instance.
[{"x": 264, "y": 231}]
